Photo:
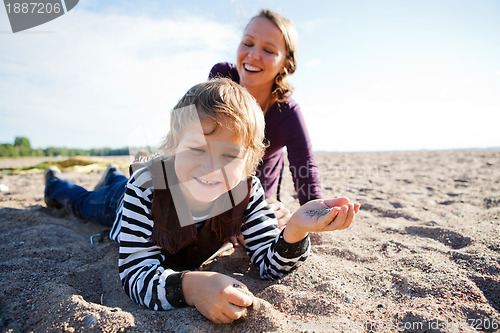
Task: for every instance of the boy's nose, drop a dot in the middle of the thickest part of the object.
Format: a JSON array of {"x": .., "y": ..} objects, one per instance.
[
  {"x": 211, "y": 162},
  {"x": 207, "y": 163}
]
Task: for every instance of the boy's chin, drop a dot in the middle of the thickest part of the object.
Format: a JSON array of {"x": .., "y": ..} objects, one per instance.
[{"x": 205, "y": 199}]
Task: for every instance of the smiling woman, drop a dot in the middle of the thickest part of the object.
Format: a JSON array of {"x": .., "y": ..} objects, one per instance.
[
  {"x": 262, "y": 59},
  {"x": 266, "y": 55}
]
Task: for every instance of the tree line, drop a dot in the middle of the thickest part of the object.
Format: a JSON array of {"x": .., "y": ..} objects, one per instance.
[{"x": 22, "y": 147}]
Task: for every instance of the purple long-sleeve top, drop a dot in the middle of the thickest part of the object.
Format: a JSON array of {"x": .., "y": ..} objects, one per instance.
[{"x": 285, "y": 127}]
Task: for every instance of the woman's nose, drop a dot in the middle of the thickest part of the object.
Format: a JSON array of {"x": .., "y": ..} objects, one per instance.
[{"x": 253, "y": 53}]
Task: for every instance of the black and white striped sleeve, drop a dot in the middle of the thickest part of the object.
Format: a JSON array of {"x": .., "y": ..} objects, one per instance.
[
  {"x": 267, "y": 249},
  {"x": 143, "y": 278}
]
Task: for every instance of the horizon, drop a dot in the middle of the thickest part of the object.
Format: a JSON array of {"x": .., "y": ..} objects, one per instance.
[
  {"x": 386, "y": 76},
  {"x": 314, "y": 150}
]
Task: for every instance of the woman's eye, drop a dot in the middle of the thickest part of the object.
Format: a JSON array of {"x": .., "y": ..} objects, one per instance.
[
  {"x": 247, "y": 44},
  {"x": 268, "y": 51}
]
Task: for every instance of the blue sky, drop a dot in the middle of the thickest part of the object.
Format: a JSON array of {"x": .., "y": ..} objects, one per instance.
[{"x": 372, "y": 75}]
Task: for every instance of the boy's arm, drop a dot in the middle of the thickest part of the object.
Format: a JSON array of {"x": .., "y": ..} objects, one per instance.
[
  {"x": 143, "y": 278},
  {"x": 272, "y": 255},
  {"x": 146, "y": 282}
]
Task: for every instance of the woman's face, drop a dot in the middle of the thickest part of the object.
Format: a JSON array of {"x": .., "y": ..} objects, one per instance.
[{"x": 261, "y": 54}]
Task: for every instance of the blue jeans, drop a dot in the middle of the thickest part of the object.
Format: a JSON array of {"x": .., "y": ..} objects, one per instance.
[{"x": 97, "y": 206}]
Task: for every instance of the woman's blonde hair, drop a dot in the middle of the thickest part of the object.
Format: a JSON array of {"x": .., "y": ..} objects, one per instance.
[
  {"x": 219, "y": 99},
  {"x": 281, "y": 89}
]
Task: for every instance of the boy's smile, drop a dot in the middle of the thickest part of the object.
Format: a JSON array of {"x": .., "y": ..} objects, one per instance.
[
  {"x": 206, "y": 182},
  {"x": 208, "y": 162}
]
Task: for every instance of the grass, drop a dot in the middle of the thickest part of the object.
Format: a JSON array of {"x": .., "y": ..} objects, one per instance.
[{"x": 75, "y": 164}]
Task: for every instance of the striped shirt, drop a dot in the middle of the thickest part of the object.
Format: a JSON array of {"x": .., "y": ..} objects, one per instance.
[{"x": 143, "y": 277}]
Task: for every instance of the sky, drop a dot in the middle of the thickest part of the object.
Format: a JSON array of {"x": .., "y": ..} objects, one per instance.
[{"x": 372, "y": 75}]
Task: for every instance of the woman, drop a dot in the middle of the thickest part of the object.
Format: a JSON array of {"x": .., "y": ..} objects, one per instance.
[{"x": 265, "y": 57}]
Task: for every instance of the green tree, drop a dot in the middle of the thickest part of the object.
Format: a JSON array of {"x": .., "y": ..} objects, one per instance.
[
  {"x": 23, "y": 145},
  {"x": 7, "y": 150}
]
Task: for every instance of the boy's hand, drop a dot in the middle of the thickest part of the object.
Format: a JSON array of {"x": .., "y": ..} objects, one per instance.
[
  {"x": 318, "y": 216},
  {"x": 217, "y": 296},
  {"x": 237, "y": 240}
]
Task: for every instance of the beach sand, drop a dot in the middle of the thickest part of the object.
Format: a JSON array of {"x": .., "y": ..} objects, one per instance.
[{"x": 423, "y": 255}]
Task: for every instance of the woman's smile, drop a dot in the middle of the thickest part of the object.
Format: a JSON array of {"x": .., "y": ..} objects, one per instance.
[{"x": 251, "y": 68}]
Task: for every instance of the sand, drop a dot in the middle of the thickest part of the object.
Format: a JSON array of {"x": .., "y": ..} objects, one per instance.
[{"x": 423, "y": 255}]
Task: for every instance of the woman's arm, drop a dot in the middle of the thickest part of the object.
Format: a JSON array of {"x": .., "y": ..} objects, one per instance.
[{"x": 303, "y": 166}]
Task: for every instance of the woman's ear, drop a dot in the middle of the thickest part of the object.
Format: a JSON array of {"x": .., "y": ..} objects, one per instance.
[
  {"x": 286, "y": 68},
  {"x": 290, "y": 66}
]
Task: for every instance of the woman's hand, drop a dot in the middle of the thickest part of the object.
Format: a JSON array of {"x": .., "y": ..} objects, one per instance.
[
  {"x": 282, "y": 214},
  {"x": 319, "y": 216},
  {"x": 216, "y": 296}
]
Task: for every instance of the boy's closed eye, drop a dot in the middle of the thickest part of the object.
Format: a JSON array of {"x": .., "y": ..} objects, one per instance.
[
  {"x": 228, "y": 155},
  {"x": 232, "y": 153},
  {"x": 197, "y": 149}
]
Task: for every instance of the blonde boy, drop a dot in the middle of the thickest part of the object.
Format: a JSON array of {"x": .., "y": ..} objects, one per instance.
[{"x": 179, "y": 208}]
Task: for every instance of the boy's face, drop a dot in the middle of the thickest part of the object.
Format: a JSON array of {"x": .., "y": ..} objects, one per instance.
[{"x": 208, "y": 162}]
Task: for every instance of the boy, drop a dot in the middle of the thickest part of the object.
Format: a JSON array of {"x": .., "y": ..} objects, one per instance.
[{"x": 178, "y": 209}]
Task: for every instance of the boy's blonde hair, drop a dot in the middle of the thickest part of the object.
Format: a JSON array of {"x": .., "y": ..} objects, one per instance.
[{"x": 219, "y": 99}]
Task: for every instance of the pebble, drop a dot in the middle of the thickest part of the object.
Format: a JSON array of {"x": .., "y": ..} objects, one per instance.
[
  {"x": 90, "y": 321},
  {"x": 3, "y": 188}
]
